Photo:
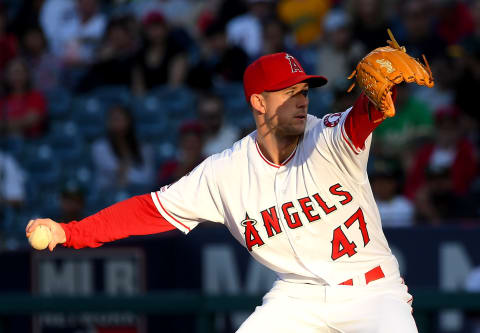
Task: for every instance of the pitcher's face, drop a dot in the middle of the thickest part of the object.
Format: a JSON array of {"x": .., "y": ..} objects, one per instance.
[{"x": 286, "y": 110}]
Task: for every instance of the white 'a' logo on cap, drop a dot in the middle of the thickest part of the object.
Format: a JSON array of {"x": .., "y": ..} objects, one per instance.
[{"x": 293, "y": 64}]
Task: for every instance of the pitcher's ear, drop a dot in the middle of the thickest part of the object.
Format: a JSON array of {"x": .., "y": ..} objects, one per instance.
[{"x": 257, "y": 101}]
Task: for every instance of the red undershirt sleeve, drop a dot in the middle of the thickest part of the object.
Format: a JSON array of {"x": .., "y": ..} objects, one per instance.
[
  {"x": 135, "y": 216},
  {"x": 358, "y": 124}
]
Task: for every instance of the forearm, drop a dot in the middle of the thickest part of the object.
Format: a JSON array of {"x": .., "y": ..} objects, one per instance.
[
  {"x": 363, "y": 119},
  {"x": 134, "y": 216}
]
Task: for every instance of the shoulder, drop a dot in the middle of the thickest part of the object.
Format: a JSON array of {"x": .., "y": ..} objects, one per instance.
[
  {"x": 236, "y": 153},
  {"x": 327, "y": 121}
]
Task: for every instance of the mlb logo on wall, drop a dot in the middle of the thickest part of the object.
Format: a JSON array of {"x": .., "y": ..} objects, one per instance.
[{"x": 114, "y": 272}]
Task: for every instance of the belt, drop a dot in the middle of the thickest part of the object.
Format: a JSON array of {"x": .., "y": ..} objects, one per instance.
[{"x": 372, "y": 275}]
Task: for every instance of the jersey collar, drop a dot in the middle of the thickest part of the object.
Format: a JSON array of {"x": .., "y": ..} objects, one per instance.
[{"x": 273, "y": 164}]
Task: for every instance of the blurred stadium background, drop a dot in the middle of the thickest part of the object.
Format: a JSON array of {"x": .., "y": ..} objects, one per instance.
[{"x": 101, "y": 100}]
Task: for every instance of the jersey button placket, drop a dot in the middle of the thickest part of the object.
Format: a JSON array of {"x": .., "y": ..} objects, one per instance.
[{"x": 282, "y": 196}]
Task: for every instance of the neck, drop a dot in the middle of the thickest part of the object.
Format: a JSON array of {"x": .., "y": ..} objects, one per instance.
[{"x": 276, "y": 149}]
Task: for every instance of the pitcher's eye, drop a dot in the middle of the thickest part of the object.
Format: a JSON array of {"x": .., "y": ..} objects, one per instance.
[{"x": 304, "y": 92}]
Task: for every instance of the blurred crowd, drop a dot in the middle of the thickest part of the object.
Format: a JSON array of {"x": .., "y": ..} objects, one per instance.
[{"x": 102, "y": 100}]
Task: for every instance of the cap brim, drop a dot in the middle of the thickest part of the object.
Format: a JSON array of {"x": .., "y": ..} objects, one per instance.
[{"x": 314, "y": 81}]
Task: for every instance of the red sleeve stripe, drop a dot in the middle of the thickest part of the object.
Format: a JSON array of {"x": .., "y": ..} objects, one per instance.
[
  {"x": 179, "y": 225},
  {"x": 348, "y": 140}
]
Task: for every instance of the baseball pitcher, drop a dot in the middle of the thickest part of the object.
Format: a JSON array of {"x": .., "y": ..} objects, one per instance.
[{"x": 295, "y": 193}]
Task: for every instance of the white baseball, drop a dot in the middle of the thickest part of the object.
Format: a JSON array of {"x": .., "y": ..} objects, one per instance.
[{"x": 40, "y": 237}]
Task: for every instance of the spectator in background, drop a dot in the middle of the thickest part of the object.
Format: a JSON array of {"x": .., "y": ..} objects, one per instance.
[
  {"x": 386, "y": 179},
  {"x": 44, "y": 66},
  {"x": 54, "y": 14},
  {"x": 417, "y": 20},
  {"x": 435, "y": 202},
  {"x": 179, "y": 13},
  {"x": 120, "y": 160},
  {"x": 28, "y": 15},
  {"x": 370, "y": 22},
  {"x": 442, "y": 171},
  {"x": 161, "y": 61},
  {"x": 413, "y": 123},
  {"x": 8, "y": 41},
  {"x": 274, "y": 36},
  {"x": 72, "y": 202},
  {"x": 304, "y": 18},
  {"x": 12, "y": 182},
  {"x": 246, "y": 31},
  {"x": 77, "y": 37},
  {"x": 219, "y": 62},
  {"x": 12, "y": 195},
  {"x": 442, "y": 95},
  {"x": 342, "y": 99},
  {"x": 189, "y": 154},
  {"x": 466, "y": 87},
  {"x": 115, "y": 57},
  {"x": 338, "y": 54},
  {"x": 454, "y": 21},
  {"x": 23, "y": 110},
  {"x": 450, "y": 151},
  {"x": 219, "y": 135}
]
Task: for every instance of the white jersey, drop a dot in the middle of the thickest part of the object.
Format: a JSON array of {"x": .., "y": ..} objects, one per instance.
[{"x": 311, "y": 219}]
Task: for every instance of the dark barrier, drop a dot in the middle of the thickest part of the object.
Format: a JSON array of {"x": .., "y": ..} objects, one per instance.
[{"x": 204, "y": 307}]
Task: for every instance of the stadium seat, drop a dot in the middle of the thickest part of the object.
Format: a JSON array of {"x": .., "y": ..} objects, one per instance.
[
  {"x": 66, "y": 143},
  {"x": 89, "y": 116},
  {"x": 151, "y": 118},
  {"x": 110, "y": 95},
  {"x": 42, "y": 168},
  {"x": 13, "y": 145},
  {"x": 233, "y": 99},
  {"x": 180, "y": 102},
  {"x": 320, "y": 102},
  {"x": 59, "y": 103}
]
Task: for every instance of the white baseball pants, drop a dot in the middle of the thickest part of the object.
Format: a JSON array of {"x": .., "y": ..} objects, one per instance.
[{"x": 381, "y": 306}]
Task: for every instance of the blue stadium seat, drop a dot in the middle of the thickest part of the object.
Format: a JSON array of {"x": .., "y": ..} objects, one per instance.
[
  {"x": 111, "y": 95},
  {"x": 13, "y": 145},
  {"x": 180, "y": 102},
  {"x": 59, "y": 103},
  {"x": 151, "y": 118},
  {"x": 320, "y": 102},
  {"x": 234, "y": 100},
  {"x": 89, "y": 116},
  {"x": 230, "y": 90},
  {"x": 42, "y": 167},
  {"x": 67, "y": 143}
]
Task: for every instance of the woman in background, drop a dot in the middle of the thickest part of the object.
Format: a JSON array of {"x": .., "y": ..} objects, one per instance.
[
  {"x": 120, "y": 161},
  {"x": 23, "y": 110}
]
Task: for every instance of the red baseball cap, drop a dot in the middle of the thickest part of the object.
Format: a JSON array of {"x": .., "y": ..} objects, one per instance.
[{"x": 276, "y": 72}]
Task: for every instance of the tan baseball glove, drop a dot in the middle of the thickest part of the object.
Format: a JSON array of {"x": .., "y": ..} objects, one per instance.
[{"x": 385, "y": 67}]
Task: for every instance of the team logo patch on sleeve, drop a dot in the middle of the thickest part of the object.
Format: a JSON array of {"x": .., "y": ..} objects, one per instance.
[{"x": 332, "y": 120}]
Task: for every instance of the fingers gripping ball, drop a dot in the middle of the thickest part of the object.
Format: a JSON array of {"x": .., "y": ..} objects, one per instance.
[
  {"x": 385, "y": 67},
  {"x": 40, "y": 237}
]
